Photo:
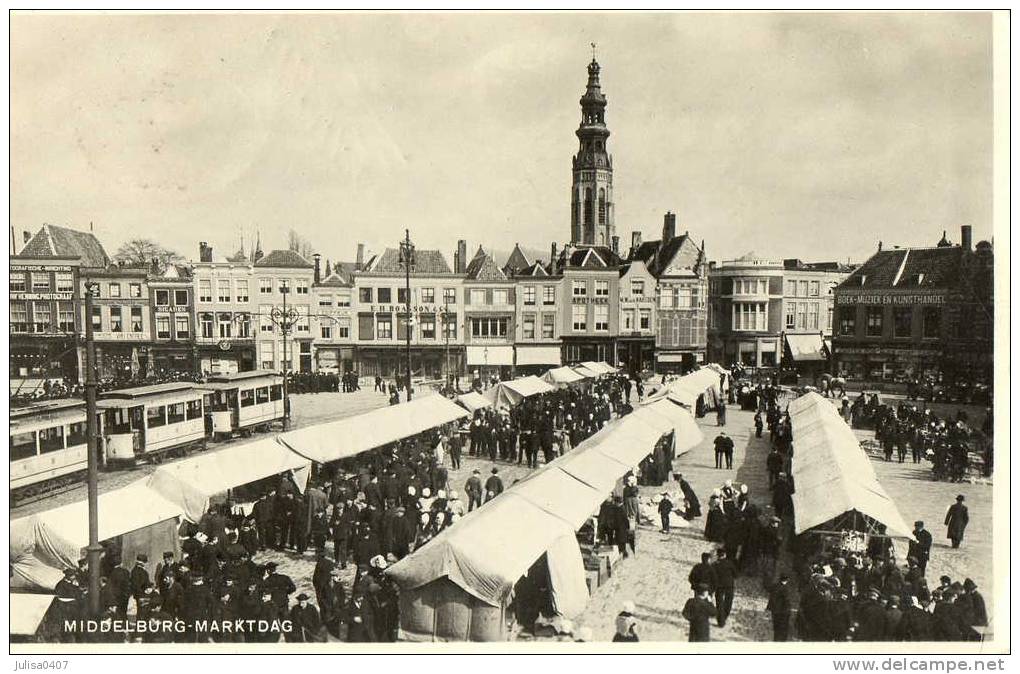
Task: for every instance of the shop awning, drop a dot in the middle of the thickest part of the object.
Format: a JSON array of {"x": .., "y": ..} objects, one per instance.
[
  {"x": 28, "y": 611},
  {"x": 806, "y": 348},
  {"x": 538, "y": 355},
  {"x": 490, "y": 355},
  {"x": 473, "y": 401},
  {"x": 351, "y": 436}
]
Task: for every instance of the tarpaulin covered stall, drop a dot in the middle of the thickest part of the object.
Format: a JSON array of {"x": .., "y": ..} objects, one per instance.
[
  {"x": 508, "y": 394},
  {"x": 832, "y": 475},
  {"x": 193, "y": 482},
  {"x": 137, "y": 518},
  {"x": 701, "y": 386},
  {"x": 27, "y": 612},
  {"x": 562, "y": 376},
  {"x": 348, "y": 437},
  {"x": 598, "y": 367},
  {"x": 473, "y": 401},
  {"x": 585, "y": 372}
]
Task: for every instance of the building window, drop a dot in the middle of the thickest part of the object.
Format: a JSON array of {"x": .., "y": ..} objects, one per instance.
[
  {"x": 449, "y": 295},
  {"x": 136, "y": 319},
  {"x": 114, "y": 290},
  {"x": 428, "y": 295},
  {"x": 326, "y": 331},
  {"x": 162, "y": 298},
  {"x": 529, "y": 296},
  {"x": 548, "y": 295},
  {"x": 265, "y": 318},
  {"x": 828, "y": 320},
  {"x": 343, "y": 298},
  {"x": 528, "y": 326},
  {"x": 873, "y": 325},
  {"x": 803, "y": 288},
  {"x": 902, "y": 318},
  {"x": 428, "y": 325},
  {"x": 223, "y": 292},
  {"x": 750, "y": 286},
  {"x": 205, "y": 324},
  {"x": 244, "y": 325},
  {"x": 17, "y": 279},
  {"x": 40, "y": 282},
  {"x": 163, "y": 327},
  {"x": 548, "y": 326},
  {"x": 365, "y": 295},
  {"x": 325, "y": 300},
  {"x": 181, "y": 298},
  {"x": 268, "y": 356},
  {"x": 224, "y": 322},
  {"x": 116, "y": 320},
  {"x": 750, "y": 316},
  {"x": 242, "y": 290},
  {"x": 637, "y": 288},
  {"x": 450, "y": 326},
  {"x": 646, "y": 319},
  {"x": 802, "y": 315},
  {"x": 932, "y": 320},
  {"x": 847, "y": 321},
  {"x": 667, "y": 297},
  {"x": 97, "y": 319},
  {"x": 265, "y": 286},
  {"x": 65, "y": 316},
  {"x": 283, "y": 285},
  {"x": 489, "y": 327},
  {"x": 343, "y": 332},
  {"x": 402, "y": 296},
  {"x": 302, "y": 323},
  {"x": 65, "y": 283},
  {"x": 628, "y": 319},
  {"x": 579, "y": 317},
  {"x": 477, "y": 296},
  {"x": 19, "y": 317},
  {"x": 601, "y": 288},
  {"x": 182, "y": 327},
  {"x": 385, "y": 295},
  {"x": 684, "y": 297},
  {"x": 791, "y": 315},
  {"x": 205, "y": 290},
  {"x": 501, "y": 296},
  {"x": 366, "y": 326},
  {"x": 384, "y": 325},
  {"x": 812, "y": 323},
  {"x": 579, "y": 288},
  {"x": 301, "y": 286},
  {"x": 814, "y": 289},
  {"x": 134, "y": 290}
]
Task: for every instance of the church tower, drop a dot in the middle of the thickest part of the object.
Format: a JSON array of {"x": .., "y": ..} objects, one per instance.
[{"x": 591, "y": 200}]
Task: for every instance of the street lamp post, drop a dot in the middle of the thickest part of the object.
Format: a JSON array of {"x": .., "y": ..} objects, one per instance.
[
  {"x": 94, "y": 550},
  {"x": 407, "y": 259},
  {"x": 285, "y": 319}
]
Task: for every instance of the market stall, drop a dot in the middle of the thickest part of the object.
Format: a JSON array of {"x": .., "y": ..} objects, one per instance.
[
  {"x": 562, "y": 377},
  {"x": 507, "y": 394},
  {"x": 473, "y": 401}
]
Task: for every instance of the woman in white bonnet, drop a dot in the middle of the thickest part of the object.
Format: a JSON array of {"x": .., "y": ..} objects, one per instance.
[{"x": 626, "y": 623}]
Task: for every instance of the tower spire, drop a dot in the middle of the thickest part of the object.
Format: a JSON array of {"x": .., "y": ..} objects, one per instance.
[{"x": 591, "y": 220}]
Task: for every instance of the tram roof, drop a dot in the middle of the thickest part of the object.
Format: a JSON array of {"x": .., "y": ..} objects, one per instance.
[
  {"x": 232, "y": 377},
  {"x": 45, "y": 414},
  {"x": 154, "y": 389}
]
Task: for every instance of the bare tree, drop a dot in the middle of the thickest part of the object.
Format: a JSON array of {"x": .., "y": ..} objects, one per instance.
[
  {"x": 145, "y": 253},
  {"x": 300, "y": 244}
]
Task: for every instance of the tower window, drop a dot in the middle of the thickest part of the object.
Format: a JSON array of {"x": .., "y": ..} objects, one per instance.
[
  {"x": 602, "y": 205},
  {"x": 588, "y": 205}
]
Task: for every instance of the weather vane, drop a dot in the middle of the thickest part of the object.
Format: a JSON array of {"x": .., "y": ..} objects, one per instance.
[{"x": 592, "y": 51}]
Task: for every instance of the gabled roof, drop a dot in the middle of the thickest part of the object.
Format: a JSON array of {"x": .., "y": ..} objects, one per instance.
[
  {"x": 345, "y": 270},
  {"x": 536, "y": 268},
  {"x": 590, "y": 257},
  {"x": 172, "y": 273},
  {"x": 335, "y": 281},
  {"x": 908, "y": 268},
  {"x": 483, "y": 268},
  {"x": 680, "y": 251},
  {"x": 517, "y": 261},
  {"x": 283, "y": 259},
  {"x": 425, "y": 262},
  {"x": 61, "y": 242}
]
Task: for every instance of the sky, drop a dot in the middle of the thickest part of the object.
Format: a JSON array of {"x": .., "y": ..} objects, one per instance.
[{"x": 790, "y": 135}]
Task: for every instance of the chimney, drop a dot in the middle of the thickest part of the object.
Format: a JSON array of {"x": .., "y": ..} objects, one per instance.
[
  {"x": 460, "y": 257},
  {"x": 552, "y": 259},
  {"x": 668, "y": 227},
  {"x": 316, "y": 259},
  {"x": 965, "y": 237},
  {"x": 879, "y": 246},
  {"x": 359, "y": 261},
  {"x": 204, "y": 252},
  {"x": 635, "y": 242},
  {"x": 616, "y": 244}
]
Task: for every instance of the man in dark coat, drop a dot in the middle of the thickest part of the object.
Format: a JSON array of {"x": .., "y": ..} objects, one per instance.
[
  {"x": 196, "y": 605},
  {"x": 698, "y": 611},
  {"x": 279, "y": 585},
  {"x": 320, "y": 576},
  {"x": 332, "y": 606},
  {"x": 693, "y": 504},
  {"x": 870, "y": 615},
  {"x": 703, "y": 573},
  {"x": 474, "y": 490},
  {"x": 265, "y": 519},
  {"x": 725, "y": 577},
  {"x": 979, "y": 612},
  {"x": 139, "y": 577},
  {"x": 780, "y": 607},
  {"x": 120, "y": 586},
  {"x": 774, "y": 464},
  {"x": 956, "y": 521},
  {"x": 893, "y": 619},
  {"x": 916, "y": 624},
  {"x": 361, "y": 626},
  {"x": 68, "y": 604},
  {"x": 920, "y": 546},
  {"x": 494, "y": 485},
  {"x": 305, "y": 621}
]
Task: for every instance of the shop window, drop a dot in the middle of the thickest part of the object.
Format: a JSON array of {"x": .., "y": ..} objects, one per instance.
[
  {"x": 875, "y": 318},
  {"x": 932, "y": 319},
  {"x": 385, "y": 295},
  {"x": 902, "y": 319}
]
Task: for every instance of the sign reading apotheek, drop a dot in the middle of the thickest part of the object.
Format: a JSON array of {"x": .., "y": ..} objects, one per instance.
[{"x": 897, "y": 299}]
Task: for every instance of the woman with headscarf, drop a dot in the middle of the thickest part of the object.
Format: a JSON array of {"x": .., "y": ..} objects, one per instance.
[
  {"x": 715, "y": 522},
  {"x": 626, "y": 623}
]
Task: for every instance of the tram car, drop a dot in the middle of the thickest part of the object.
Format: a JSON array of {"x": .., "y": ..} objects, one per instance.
[
  {"x": 243, "y": 402},
  {"x": 150, "y": 421},
  {"x": 48, "y": 446}
]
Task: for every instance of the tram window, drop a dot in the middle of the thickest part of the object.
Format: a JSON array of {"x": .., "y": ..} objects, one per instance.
[
  {"x": 22, "y": 445},
  {"x": 247, "y": 397},
  {"x": 175, "y": 413},
  {"x": 276, "y": 392},
  {"x": 262, "y": 395},
  {"x": 156, "y": 416},
  {"x": 51, "y": 439},
  {"x": 76, "y": 434},
  {"x": 194, "y": 409}
]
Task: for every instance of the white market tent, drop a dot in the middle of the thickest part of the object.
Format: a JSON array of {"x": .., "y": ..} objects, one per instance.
[
  {"x": 832, "y": 475},
  {"x": 191, "y": 483},
  {"x": 562, "y": 376},
  {"x": 598, "y": 367},
  {"x": 27, "y": 612},
  {"x": 507, "y": 394},
  {"x": 351, "y": 436},
  {"x": 473, "y": 401},
  {"x": 585, "y": 372},
  {"x": 44, "y": 544},
  {"x": 688, "y": 388}
]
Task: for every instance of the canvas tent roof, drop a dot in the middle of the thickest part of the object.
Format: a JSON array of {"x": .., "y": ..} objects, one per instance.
[
  {"x": 832, "y": 474},
  {"x": 599, "y": 367},
  {"x": 688, "y": 433},
  {"x": 474, "y": 401},
  {"x": 191, "y": 482},
  {"x": 509, "y": 393},
  {"x": 584, "y": 371},
  {"x": 805, "y": 348},
  {"x": 351, "y": 436},
  {"x": 717, "y": 368},
  {"x": 28, "y": 611},
  {"x": 562, "y": 375}
]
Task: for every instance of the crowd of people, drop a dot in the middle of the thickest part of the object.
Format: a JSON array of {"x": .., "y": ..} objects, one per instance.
[
  {"x": 323, "y": 382},
  {"x": 52, "y": 388}
]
